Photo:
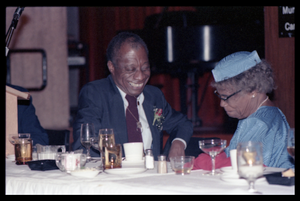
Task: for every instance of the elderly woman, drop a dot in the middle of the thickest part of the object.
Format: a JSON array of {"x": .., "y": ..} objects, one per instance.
[{"x": 242, "y": 82}]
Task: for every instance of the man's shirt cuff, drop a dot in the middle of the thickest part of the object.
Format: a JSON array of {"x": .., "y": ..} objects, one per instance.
[{"x": 181, "y": 141}]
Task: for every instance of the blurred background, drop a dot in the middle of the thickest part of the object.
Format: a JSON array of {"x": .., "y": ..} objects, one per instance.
[{"x": 185, "y": 43}]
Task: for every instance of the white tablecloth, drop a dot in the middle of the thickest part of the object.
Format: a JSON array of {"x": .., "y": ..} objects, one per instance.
[{"x": 21, "y": 180}]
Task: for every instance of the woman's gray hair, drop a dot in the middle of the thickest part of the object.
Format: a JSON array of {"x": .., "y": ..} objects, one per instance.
[{"x": 259, "y": 78}]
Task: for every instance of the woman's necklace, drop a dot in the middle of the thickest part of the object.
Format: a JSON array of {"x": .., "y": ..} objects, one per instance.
[
  {"x": 138, "y": 123},
  {"x": 262, "y": 102}
]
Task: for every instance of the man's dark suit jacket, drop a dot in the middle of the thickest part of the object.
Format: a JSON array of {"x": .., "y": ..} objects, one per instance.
[{"x": 100, "y": 103}]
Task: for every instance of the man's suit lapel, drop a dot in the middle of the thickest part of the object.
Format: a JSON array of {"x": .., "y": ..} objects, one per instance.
[
  {"x": 148, "y": 105},
  {"x": 148, "y": 108},
  {"x": 118, "y": 119}
]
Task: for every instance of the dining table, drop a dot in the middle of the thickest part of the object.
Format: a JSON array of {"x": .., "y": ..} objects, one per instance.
[{"x": 20, "y": 179}]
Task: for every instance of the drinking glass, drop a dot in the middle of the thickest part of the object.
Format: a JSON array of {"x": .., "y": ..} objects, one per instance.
[
  {"x": 113, "y": 156},
  {"x": 291, "y": 142},
  {"x": 23, "y": 147},
  {"x": 212, "y": 147},
  {"x": 182, "y": 165},
  {"x": 86, "y": 133},
  {"x": 106, "y": 139},
  {"x": 250, "y": 162}
]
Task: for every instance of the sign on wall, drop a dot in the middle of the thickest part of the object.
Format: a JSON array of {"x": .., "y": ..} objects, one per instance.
[{"x": 286, "y": 20}]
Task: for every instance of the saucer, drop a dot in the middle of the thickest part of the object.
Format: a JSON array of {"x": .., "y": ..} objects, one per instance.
[
  {"x": 134, "y": 160},
  {"x": 228, "y": 169},
  {"x": 133, "y": 163}
]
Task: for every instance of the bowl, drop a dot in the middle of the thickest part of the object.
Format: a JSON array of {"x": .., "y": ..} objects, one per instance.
[{"x": 182, "y": 165}]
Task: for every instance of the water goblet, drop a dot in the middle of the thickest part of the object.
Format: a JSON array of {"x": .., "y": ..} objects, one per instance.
[
  {"x": 291, "y": 142},
  {"x": 212, "y": 147},
  {"x": 87, "y": 132},
  {"x": 250, "y": 162}
]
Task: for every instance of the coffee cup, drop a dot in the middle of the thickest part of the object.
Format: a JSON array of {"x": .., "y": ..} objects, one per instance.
[
  {"x": 133, "y": 151},
  {"x": 70, "y": 161}
]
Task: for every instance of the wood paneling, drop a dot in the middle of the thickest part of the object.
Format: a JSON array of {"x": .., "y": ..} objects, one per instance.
[{"x": 280, "y": 52}]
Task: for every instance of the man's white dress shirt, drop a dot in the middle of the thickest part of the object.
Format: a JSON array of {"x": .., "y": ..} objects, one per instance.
[{"x": 146, "y": 132}]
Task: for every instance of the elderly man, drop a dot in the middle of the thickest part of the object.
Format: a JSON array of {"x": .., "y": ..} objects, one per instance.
[{"x": 137, "y": 112}]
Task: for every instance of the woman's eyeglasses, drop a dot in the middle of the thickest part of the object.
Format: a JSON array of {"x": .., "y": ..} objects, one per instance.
[{"x": 223, "y": 97}]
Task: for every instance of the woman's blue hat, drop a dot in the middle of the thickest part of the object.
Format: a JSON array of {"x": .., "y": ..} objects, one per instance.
[{"x": 235, "y": 64}]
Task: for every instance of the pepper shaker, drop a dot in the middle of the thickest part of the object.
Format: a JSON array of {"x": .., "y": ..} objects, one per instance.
[
  {"x": 149, "y": 159},
  {"x": 162, "y": 164}
]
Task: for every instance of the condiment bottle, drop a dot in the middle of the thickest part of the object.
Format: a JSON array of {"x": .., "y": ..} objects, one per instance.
[
  {"x": 162, "y": 164},
  {"x": 149, "y": 159}
]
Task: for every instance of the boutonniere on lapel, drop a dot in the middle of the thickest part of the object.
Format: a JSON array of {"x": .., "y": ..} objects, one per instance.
[{"x": 158, "y": 118}]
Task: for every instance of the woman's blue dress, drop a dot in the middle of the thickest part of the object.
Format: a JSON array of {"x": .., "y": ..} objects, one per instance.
[{"x": 269, "y": 126}]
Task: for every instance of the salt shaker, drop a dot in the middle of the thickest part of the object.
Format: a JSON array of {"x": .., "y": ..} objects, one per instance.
[
  {"x": 162, "y": 164},
  {"x": 149, "y": 159}
]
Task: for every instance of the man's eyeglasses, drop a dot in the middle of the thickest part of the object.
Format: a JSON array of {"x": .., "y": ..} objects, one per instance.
[{"x": 223, "y": 97}]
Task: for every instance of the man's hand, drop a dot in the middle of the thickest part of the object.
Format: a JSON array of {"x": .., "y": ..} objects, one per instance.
[{"x": 177, "y": 149}]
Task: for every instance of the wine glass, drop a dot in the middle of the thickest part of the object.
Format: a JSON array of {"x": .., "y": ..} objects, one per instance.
[
  {"x": 291, "y": 142},
  {"x": 212, "y": 147},
  {"x": 95, "y": 143},
  {"x": 87, "y": 132},
  {"x": 250, "y": 162}
]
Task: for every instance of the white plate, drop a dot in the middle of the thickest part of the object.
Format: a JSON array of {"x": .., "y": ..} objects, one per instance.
[
  {"x": 139, "y": 161},
  {"x": 228, "y": 169},
  {"x": 124, "y": 171},
  {"x": 235, "y": 178},
  {"x": 87, "y": 172}
]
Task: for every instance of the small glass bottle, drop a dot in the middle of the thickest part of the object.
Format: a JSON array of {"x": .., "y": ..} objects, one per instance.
[
  {"x": 149, "y": 159},
  {"x": 162, "y": 164}
]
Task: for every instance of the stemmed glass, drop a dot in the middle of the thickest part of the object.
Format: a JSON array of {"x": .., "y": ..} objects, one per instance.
[
  {"x": 212, "y": 147},
  {"x": 291, "y": 142},
  {"x": 95, "y": 142},
  {"x": 87, "y": 132},
  {"x": 250, "y": 162}
]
